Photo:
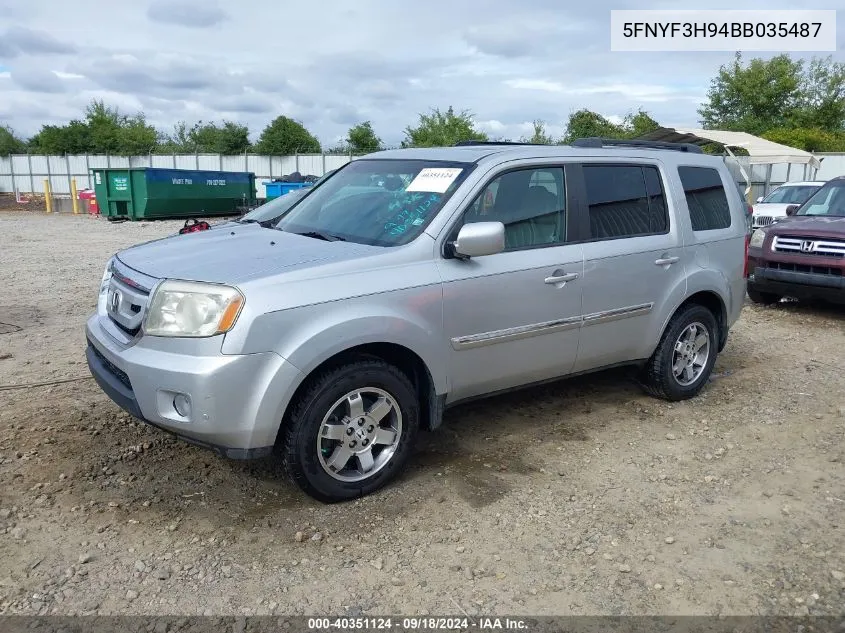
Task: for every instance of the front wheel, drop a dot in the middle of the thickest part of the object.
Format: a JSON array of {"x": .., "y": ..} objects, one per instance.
[
  {"x": 351, "y": 431},
  {"x": 684, "y": 358}
]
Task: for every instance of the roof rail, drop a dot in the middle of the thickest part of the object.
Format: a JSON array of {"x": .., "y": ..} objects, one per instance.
[
  {"x": 471, "y": 143},
  {"x": 598, "y": 142}
]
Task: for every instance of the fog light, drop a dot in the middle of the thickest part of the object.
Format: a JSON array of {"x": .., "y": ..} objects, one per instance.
[{"x": 182, "y": 404}]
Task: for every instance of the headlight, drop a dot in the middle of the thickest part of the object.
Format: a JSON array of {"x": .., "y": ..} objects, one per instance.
[
  {"x": 104, "y": 288},
  {"x": 757, "y": 239},
  {"x": 189, "y": 308}
]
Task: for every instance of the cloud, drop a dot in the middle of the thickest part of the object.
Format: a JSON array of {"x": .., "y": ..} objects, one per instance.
[
  {"x": 639, "y": 92},
  {"x": 38, "y": 80},
  {"x": 341, "y": 63},
  {"x": 195, "y": 15},
  {"x": 245, "y": 103},
  {"x": 21, "y": 40}
]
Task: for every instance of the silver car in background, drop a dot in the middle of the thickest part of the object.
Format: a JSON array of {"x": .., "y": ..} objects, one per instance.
[
  {"x": 771, "y": 208},
  {"x": 415, "y": 279}
]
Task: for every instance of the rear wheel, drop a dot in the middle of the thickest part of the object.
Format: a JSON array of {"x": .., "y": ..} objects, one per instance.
[
  {"x": 764, "y": 298},
  {"x": 684, "y": 358},
  {"x": 351, "y": 431}
]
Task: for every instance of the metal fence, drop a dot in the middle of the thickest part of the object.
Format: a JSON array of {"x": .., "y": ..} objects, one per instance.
[
  {"x": 26, "y": 173},
  {"x": 764, "y": 178}
]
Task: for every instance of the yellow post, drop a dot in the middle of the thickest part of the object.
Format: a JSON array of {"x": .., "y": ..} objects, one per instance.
[
  {"x": 74, "y": 198},
  {"x": 48, "y": 195}
]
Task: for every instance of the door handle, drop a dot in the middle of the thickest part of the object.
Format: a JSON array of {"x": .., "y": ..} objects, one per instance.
[
  {"x": 561, "y": 279},
  {"x": 666, "y": 261}
]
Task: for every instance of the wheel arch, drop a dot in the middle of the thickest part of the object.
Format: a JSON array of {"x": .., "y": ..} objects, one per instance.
[
  {"x": 711, "y": 300},
  {"x": 400, "y": 356}
]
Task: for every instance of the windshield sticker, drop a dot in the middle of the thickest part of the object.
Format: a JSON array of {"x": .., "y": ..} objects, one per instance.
[
  {"x": 434, "y": 179},
  {"x": 411, "y": 210}
]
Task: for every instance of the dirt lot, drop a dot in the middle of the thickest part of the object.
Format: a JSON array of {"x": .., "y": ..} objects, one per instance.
[{"x": 584, "y": 497}]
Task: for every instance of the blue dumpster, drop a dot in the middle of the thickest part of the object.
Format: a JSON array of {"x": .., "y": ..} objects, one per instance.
[{"x": 275, "y": 189}]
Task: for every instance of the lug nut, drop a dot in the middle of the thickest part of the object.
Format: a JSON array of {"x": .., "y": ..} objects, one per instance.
[
  {"x": 353, "y": 444},
  {"x": 365, "y": 442},
  {"x": 361, "y": 422},
  {"x": 350, "y": 431},
  {"x": 370, "y": 428}
]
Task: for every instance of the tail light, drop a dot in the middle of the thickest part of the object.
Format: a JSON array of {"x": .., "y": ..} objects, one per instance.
[{"x": 745, "y": 267}]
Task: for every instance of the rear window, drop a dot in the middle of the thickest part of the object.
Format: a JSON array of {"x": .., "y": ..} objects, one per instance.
[{"x": 706, "y": 198}]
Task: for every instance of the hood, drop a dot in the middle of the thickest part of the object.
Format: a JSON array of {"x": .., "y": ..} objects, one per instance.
[
  {"x": 774, "y": 210},
  {"x": 237, "y": 255},
  {"x": 810, "y": 226}
]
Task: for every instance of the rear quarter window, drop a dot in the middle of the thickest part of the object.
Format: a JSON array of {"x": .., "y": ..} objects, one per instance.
[{"x": 707, "y": 200}]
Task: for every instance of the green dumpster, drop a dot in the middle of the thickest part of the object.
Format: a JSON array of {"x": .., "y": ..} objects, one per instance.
[{"x": 144, "y": 193}]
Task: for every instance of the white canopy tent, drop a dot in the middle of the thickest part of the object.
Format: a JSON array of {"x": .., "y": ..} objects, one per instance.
[{"x": 760, "y": 151}]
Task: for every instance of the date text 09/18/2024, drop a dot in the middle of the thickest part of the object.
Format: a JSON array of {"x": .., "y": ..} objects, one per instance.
[{"x": 426, "y": 623}]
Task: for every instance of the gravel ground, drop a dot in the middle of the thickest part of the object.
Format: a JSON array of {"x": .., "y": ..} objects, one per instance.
[{"x": 582, "y": 497}]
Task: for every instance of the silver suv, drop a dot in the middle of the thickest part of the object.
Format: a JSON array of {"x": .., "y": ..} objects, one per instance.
[{"x": 414, "y": 279}]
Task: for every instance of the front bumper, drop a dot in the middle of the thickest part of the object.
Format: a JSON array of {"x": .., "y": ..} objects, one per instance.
[
  {"x": 236, "y": 401},
  {"x": 801, "y": 285}
]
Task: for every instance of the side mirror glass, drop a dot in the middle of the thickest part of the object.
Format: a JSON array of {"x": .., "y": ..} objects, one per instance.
[
  {"x": 760, "y": 199},
  {"x": 792, "y": 208},
  {"x": 480, "y": 238}
]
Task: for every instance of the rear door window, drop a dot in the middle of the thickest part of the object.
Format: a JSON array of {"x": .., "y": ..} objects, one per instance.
[
  {"x": 706, "y": 198},
  {"x": 624, "y": 201}
]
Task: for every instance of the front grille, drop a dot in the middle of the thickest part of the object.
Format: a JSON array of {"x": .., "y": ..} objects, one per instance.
[
  {"x": 799, "y": 245},
  {"x": 802, "y": 268},
  {"x": 116, "y": 371},
  {"x": 762, "y": 220},
  {"x": 125, "y": 304}
]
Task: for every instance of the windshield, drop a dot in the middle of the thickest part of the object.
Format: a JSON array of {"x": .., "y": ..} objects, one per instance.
[
  {"x": 276, "y": 207},
  {"x": 378, "y": 202},
  {"x": 790, "y": 195},
  {"x": 829, "y": 200}
]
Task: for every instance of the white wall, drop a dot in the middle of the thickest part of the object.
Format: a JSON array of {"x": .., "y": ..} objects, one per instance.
[{"x": 27, "y": 173}]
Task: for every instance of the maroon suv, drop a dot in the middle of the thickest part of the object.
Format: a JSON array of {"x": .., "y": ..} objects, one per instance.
[{"x": 803, "y": 254}]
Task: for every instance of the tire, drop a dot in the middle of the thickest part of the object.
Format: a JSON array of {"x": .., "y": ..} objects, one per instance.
[
  {"x": 325, "y": 466},
  {"x": 659, "y": 378},
  {"x": 764, "y": 298}
]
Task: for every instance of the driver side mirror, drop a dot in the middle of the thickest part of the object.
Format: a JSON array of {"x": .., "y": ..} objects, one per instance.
[
  {"x": 760, "y": 199},
  {"x": 479, "y": 238},
  {"x": 792, "y": 208}
]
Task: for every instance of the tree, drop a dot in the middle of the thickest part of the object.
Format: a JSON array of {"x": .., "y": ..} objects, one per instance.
[
  {"x": 586, "y": 123},
  {"x": 539, "y": 136},
  {"x": 9, "y": 143},
  {"x": 443, "y": 129},
  {"x": 361, "y": 139},
  {"x": 776, "y": 93},
  {"x": 808, "y": 139},
  {"x": 104, "y": 131},
  {"x": 285, "y": 136},
  {"x": 73, "y": 138},
  {"x": 207, "y": 138},
  {"x": 823, "y": 95},
  {"x": 638, "y": 123}
]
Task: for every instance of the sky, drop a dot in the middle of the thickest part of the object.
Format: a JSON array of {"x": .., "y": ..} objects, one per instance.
[{"x": 331, "y": 64}]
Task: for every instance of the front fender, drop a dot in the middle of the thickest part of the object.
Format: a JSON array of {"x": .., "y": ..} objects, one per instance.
[{"x": 308, "y": 336}]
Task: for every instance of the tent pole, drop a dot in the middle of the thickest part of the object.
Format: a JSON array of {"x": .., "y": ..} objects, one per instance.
[{"x": 744, "y": 174}]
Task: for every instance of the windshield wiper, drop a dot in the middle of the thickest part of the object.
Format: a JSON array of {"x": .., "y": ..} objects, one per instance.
[
  {"x": 247, "y": 221},
  {"x": 322, "y": 236}
]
